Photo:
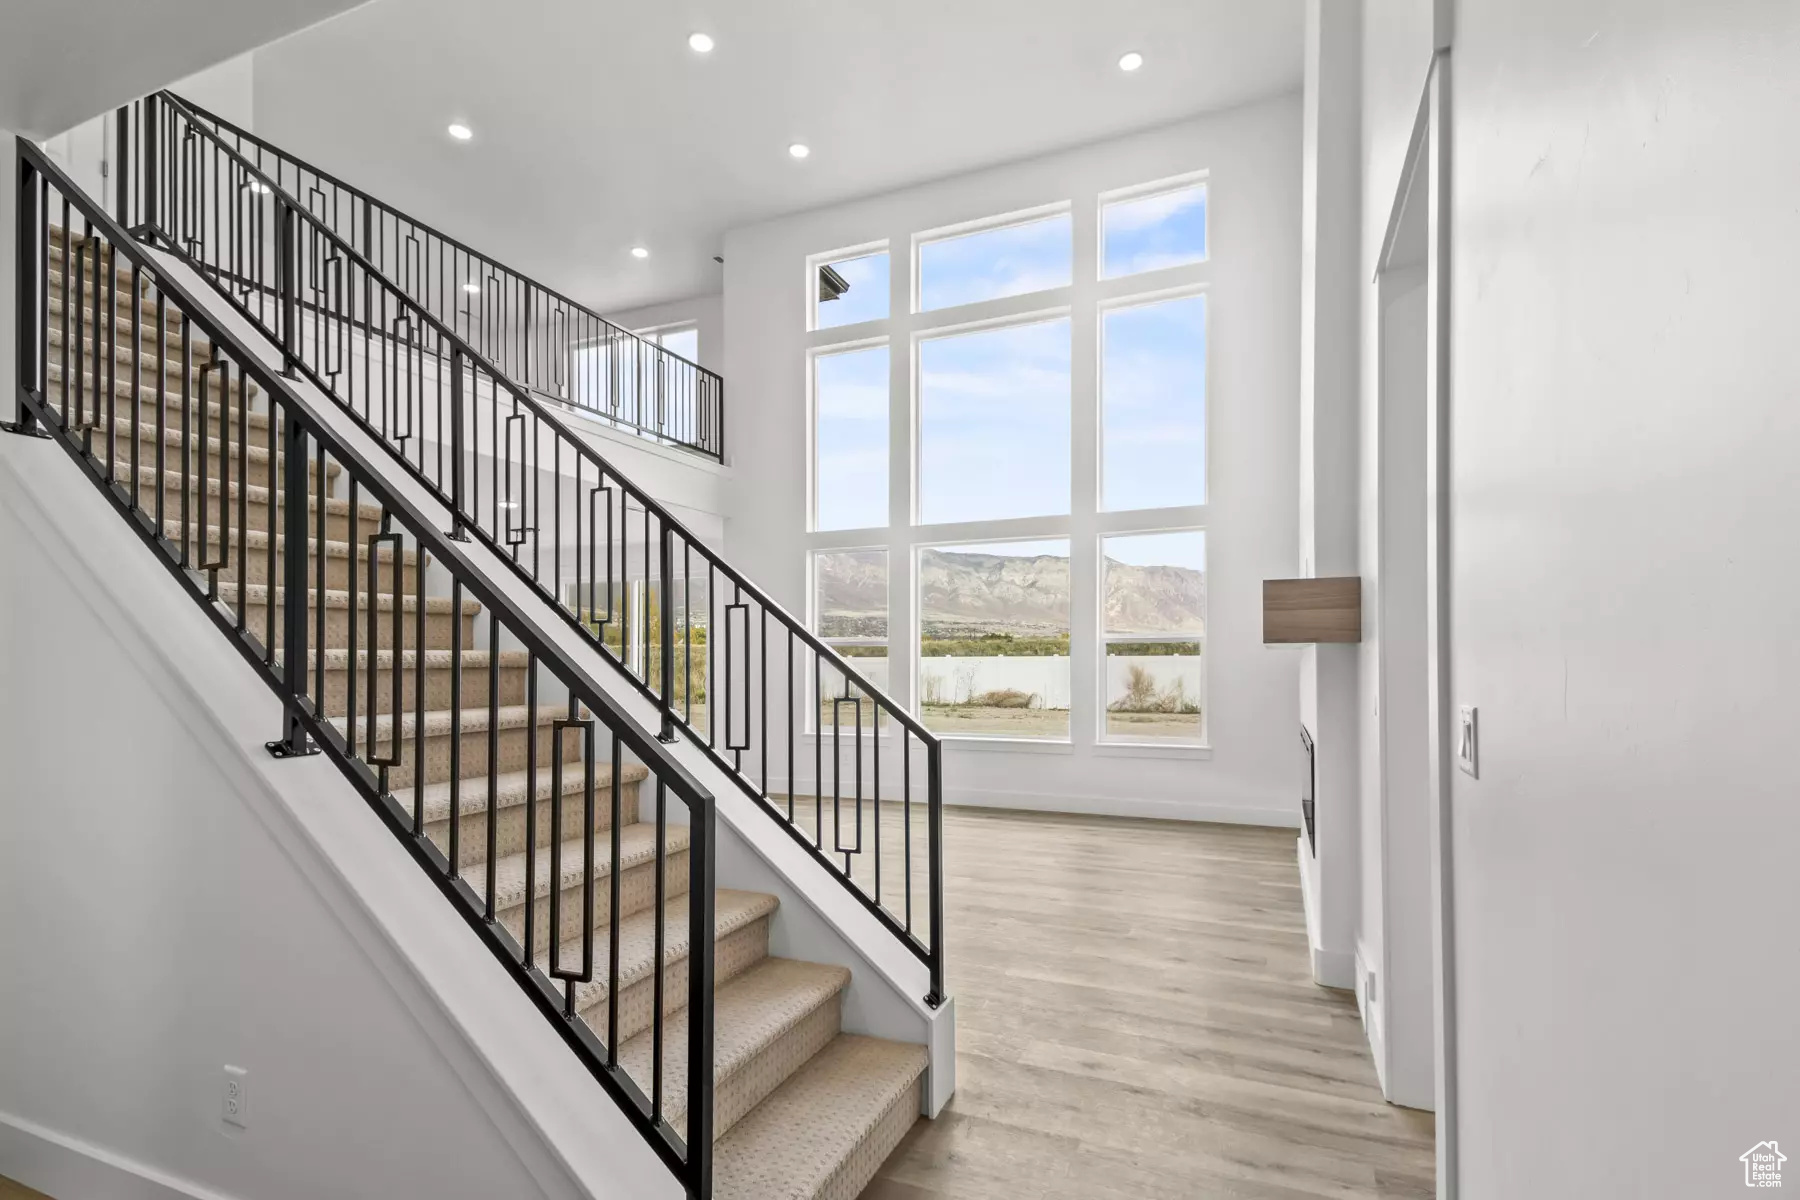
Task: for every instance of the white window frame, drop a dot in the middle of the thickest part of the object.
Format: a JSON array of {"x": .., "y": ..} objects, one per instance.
[
  {"x": 1083, "y": 301},
  {"x": 1147, "y": 191},
  {"x": 1114, "y": 741}
]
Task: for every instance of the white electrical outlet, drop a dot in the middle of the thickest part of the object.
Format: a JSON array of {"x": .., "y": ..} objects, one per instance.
[{"x": 235, "y": 1099}]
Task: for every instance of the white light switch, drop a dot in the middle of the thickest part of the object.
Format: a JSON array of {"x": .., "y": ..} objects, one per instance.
[{"x": 1467, "y": 741}]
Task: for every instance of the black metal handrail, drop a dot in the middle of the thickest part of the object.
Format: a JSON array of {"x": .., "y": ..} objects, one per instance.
[
  {"x": 599, "y": 548},
  {"x": 243, "y": 498},
  {"x": 538, "y": 337}
]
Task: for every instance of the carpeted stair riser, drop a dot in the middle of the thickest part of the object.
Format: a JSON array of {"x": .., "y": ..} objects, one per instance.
[
  {"x": 510, "y": 827},
  {"x": 439, "y": 627},
  {"x": 120, "y": 305},
  {"x": 513, "y": 738},
  {"x": 637, "y": 892},
  {"x": 242, "y": 462},
  {"x": 733, "y": 954},
  {"x": 151, "y": 358},
  {"x": 437, "y": 679},
  {"x": 202, "y": 418},
  {"x": 337, "y": 511},
  {"x": 802, "y": 1004},
  {"x": 824, "y": 1133},
  {"x": 337, "y": 561},
  {"x": 93, "y": 400}
]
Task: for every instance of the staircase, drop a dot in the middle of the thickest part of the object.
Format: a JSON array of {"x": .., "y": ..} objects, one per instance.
[{"x": 565, "y": 836}]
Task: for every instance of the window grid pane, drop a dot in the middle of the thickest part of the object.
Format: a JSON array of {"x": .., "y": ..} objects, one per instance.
[
  {"x": 990, "y": 264},
  {"x": 1153, "y": 404},
  {"x": 850, "y": 469},
  {"x": 851, "y": 290},
  {"x": 1154, "y": 630},
  {"x": 1153, "y": 232},
  {"x": 994, "y": 639},
  {"x": 994, "y": 424}
]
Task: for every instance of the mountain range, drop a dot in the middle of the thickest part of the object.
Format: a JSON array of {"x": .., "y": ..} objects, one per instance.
[{"x": 964, "y": 594}]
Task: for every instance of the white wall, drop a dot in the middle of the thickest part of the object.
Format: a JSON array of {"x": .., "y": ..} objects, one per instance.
[
  {"x": 1328, "y": 470},
  {"x": 177, "y": 900},
  {"x": 1624, "y": 492},
  {"x": 1253, "y": 770}
]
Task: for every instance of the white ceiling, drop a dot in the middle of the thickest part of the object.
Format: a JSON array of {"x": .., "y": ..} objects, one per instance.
[
  {"x": 63, "y": 61},
  {"x": 597, "y": 129}
]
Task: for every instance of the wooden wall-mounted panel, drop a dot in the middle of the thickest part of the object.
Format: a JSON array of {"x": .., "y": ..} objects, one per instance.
[{"x": 1312, "y": 610}]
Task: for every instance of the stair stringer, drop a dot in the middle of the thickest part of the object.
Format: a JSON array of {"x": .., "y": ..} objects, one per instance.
[
  {"x": 818, "y": 920},
  {"x": 89, "y": 615}
]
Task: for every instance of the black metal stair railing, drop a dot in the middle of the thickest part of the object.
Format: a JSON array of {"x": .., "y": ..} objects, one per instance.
[
  {"x": 537, "y": 337},
  {"x": 344, "y": 597},
  {"x": 741, "y": 678}
]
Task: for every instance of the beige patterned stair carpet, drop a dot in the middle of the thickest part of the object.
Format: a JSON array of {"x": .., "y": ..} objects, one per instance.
[{"x": 802, "y": 1110}]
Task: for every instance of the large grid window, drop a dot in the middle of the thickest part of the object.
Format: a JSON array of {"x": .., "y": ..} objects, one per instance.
[{"x": 1048, "y": 526}]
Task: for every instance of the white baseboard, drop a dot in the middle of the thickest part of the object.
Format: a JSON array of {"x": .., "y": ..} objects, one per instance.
[
  {"x": 1371, "y": 1011},
  {"x": 59, "y": 1165},
  {"x": 1330, "y": 968},
  {"x": 1094, "y": 806}
]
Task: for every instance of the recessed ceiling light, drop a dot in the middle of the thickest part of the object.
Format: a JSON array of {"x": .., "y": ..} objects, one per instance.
[
  {"x": 509, "y": 505},
  {"x": 639, "y": 252},
  {"x": 1130, "y": 61},
  {"x": 473, "y": 289},
  {"x": 461, "y": 133},
  {"x": 260, "y": 188},
  {"x": 799, "y": 150},
  {"x": 700, "y": 43}
]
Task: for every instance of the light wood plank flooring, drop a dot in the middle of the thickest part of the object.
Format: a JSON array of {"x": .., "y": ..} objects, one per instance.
[
  {"x": 14, "y": 1191},
  {"x": 1136, "y": 1021}
]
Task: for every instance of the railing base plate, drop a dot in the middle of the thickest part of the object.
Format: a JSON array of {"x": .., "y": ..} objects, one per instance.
[{"x": 284, "y": 749}]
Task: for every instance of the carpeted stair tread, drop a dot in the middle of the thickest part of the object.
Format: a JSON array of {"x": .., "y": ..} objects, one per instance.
[
  {"x": 439, "y": 722},
  {"x": 148, "y": 356},
  {"x": 510, "y": 786},
  {"x": 732, "y": 910},
  {"x": 255, "y": 492},
  {"x": 637, "y": 848},
  {"x": 254, "y": 456},
  {"x": 803, "y": 1133},
  {"x": 752, "y": 1013},
  {"x": 258, "y": 539},
  {"x": 257, "y": 594}
]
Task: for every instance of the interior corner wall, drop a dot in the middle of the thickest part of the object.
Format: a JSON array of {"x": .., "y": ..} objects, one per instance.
[
  {"x": 226, "y": 89},
  {"x": 1252, "y": 152},
  {"x": 1623, "y": 501},
  {"x": 1327, "y": 485}
]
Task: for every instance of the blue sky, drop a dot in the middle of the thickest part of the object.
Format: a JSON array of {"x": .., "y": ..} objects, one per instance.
[
  {"x": 867, "y": 299},
  {"x": 995, "y": 262},
  {"x": 851, "y": 394},
  {"x": 1153, "y": 232},
  {"x": 994, "y": 424},
  {"x": 1153, "y": 404},
  {"x": 994, "y": 405}
]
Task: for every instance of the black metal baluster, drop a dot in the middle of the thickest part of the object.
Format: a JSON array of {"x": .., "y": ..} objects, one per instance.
[
  {"x": 456, "y": 668},
  {"x": 531, "y": 807},
  {"x": 493, "y": 759}
]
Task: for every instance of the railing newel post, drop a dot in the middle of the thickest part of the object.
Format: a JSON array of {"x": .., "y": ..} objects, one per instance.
[
  {"x": 29, "y": 300},
  {"x": 934, "y": 886}
]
